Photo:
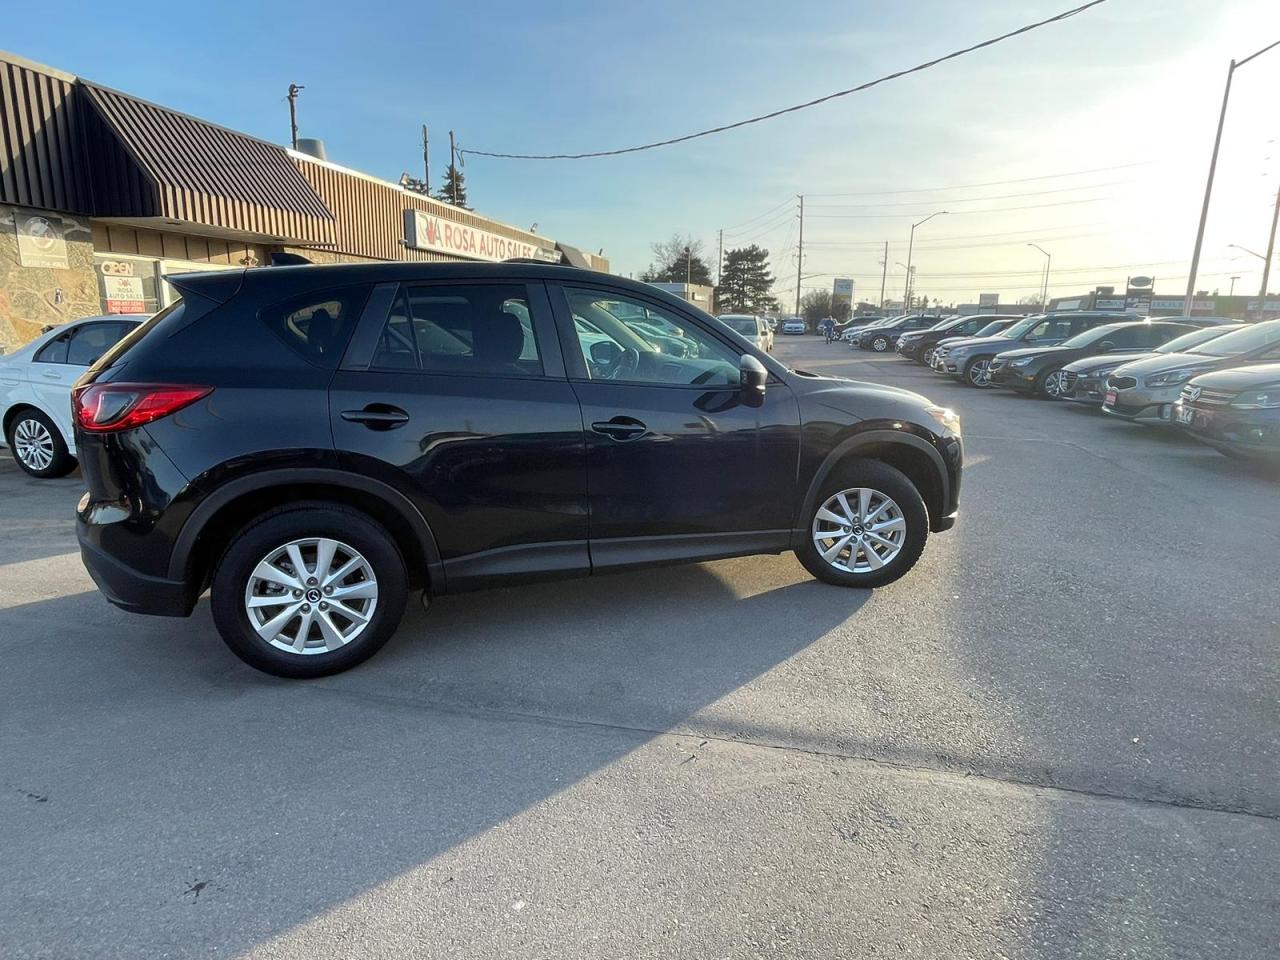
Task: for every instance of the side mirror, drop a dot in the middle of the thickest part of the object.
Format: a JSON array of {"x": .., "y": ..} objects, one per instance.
[
  {"x": 752, "y": 378},
  {"x": 605, "y": 353},
  {"x": 1106, "y": 346}
]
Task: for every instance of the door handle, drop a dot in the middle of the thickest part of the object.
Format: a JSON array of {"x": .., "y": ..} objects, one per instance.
[
  {"x": 377, "y": 416},
  {"x": 51, "y": 375},
  {"x": 620, "y": 428}
]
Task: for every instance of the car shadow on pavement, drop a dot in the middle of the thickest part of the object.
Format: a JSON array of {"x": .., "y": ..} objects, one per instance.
[{"x": 162, "y": 799}]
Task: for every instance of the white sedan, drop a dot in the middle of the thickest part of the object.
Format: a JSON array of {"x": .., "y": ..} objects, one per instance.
[{"x": 35, "y": 390}]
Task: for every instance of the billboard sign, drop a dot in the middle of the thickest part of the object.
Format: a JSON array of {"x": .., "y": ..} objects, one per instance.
[{"x": 988, "y": 299}]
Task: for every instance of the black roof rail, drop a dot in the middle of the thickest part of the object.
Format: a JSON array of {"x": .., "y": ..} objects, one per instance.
[{"x": 545, "y": 263}]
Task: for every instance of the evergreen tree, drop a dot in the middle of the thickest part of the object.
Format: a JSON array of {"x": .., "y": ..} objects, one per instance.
[
  {"x": 745, "y": 282},
  {"x": 454, "y": 180}
]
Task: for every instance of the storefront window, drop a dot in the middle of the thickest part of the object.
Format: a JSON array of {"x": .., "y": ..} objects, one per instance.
[{"x": 126, "y": 284}]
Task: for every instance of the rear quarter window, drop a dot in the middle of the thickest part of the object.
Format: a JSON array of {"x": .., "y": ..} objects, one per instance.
[{"x": 317, "y": 325}]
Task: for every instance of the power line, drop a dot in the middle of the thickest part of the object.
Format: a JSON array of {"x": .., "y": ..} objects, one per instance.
[
  {"x": 950, "y": 200},
  {"x": 737, "y": 227},
  {"x": 1036, "y": 231},
  {"x": 1066, "y": 14},
  {"x": 988, "y": 183},
  {"x": 954, "y": 213}
]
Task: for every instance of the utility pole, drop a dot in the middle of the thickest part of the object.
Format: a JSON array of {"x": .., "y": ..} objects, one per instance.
[
  {"x": 453, "y": 171},
  {"x": 1044, "y": 280},
  {"x": 884, "y": 272},
  {"x": 292, "y": 97},
  {"x": 1208, "y": 184},
  {"x": 426, "y": 159},
  {"x": 800, "y": 254},
  {"x": 719, "y": 256},
  {"x": 1266, "y": 267}
]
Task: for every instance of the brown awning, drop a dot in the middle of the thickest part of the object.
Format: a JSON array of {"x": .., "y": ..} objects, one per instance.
[{"x": 168, "y": 165}]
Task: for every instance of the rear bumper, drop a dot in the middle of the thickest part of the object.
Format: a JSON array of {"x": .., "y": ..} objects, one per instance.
[{"x": 128, "y": 589}]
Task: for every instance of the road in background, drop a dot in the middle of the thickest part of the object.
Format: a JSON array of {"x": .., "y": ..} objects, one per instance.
[{"x": 1057, "y": 737}]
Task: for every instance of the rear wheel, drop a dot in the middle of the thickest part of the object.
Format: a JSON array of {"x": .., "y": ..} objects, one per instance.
[
  {"x": 977, "y": 372},
  {"x": 309, "y": 590},
  {"x": 867, "y": 528},
  {"x": 37, "y": 446}
]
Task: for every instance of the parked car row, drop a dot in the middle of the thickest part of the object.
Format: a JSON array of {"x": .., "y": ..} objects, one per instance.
[{"x": 1216, "y": 378}]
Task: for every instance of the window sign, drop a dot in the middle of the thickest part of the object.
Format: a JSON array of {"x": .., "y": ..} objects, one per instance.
[{"x": 40, "y": 241}]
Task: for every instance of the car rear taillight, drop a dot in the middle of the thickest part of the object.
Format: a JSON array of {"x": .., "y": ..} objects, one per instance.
[{"x": 107, "y": 407}]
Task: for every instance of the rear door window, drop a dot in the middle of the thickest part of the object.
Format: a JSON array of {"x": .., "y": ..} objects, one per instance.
[
  {"x": 55, "y": 351},
  {"x": 464, "y": 329},
  {"x": 317, "y": 325},
  {"x": 92, "y": 340}
]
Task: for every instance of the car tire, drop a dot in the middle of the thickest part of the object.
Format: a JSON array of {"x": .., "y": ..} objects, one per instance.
[
  {"x": 852, "y": 563},
  {"x": 977, "y": 373},
  {"x": 37, "y": 445},
  {"x": 880, "y": 344},
  {"x": 1045, "y": 384},
  {"x": 376, "y": 586}
]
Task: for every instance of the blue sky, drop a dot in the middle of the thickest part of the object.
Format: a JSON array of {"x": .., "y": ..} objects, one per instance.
[{"x": 1131, "y": 82}]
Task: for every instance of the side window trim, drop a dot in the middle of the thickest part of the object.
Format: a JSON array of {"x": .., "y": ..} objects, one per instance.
[{"x": 373, "y": 318}]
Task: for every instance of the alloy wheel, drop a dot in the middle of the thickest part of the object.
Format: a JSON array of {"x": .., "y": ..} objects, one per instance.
[
  {"x": 1055, "y": 385},
  {"x": 311, "y": 596},
  {"x": 980, "y": 373},
  {"x": 859, "y": 530},
  {"x": 33, "y": 444}
]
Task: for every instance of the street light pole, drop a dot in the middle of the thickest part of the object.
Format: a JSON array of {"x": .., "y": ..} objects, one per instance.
[
  {"x": 1266, "y": 269},
  {"x": 1208, "y": 185},
  {"x": 884, "y": 272},
  {"x": 1044, "y": 282},
  {"x": 906, "y": 294}
]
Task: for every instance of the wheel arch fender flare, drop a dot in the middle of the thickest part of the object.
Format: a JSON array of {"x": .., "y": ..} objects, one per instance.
[
  {"x": 848, "y": 449},
  {"x": 233, "y": 490}
]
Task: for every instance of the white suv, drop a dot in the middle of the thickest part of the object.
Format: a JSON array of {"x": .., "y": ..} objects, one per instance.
[
  {"x": 753, "y": 329},
  {"x": 35, "y": 390}
]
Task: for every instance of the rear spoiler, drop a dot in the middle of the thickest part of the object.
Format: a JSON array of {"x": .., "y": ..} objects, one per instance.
[{"x": 217, "y": 286}]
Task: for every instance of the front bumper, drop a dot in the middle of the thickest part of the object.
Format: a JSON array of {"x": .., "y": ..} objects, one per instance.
[
  {"x": 1087, "y": 390},
  {"x": 1142, "y": 403},
  {"x": 128, "y": 589},
  {"x": 1254, "y": 433},
  {"x": 909, "y": 348},
  {"x": 1012, "y": 377}
]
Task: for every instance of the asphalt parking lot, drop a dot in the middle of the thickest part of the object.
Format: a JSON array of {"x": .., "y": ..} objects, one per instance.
[{"x": 1058, "y": 737}]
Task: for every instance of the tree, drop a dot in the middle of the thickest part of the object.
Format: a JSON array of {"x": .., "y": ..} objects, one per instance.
[
  {"x": 1029, "y": 300},
  {"x": 815, "y": 306},
  {"x": 454, "y": 188},
  {"x": 745, "y": 281},
  {"x": 677, "y": 260}
]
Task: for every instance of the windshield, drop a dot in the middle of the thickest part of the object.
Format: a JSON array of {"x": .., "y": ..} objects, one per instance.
[
  {"x": 1090, "y": 337},
  {"x": 1242, "y": 341},
  {"x": 743, "y": 325},
  {"x": 991, "y": 329},
  {"x": 1184, "y": 343},
  {"x": 1021, "y": 327}
]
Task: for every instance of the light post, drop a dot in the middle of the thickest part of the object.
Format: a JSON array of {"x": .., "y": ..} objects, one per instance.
[
  {"x": 906, "y": 294},
  {"x": 1208, "y": 184},
  {"x": 1232, "y": 291},
  {"x": 1044, "y": 283},
  {"x": 906, "y": 307}
]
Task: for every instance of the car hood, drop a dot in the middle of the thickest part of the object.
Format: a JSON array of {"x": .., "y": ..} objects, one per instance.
[
  {"x": 1034, "y": 352},
  {"x": 1261, "y": 377},
  {"x": 1164, "y": 362},
  {"x": 847, "y": 395},
  {"x": 1103, "y": 361},
  {"x": 997, "y": 342}
]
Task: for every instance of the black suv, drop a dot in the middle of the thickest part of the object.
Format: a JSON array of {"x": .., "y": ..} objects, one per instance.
[{"x": 312, "y": 442}]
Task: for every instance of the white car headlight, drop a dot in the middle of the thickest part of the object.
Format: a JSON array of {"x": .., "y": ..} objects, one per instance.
[
  {"x": 1021, "y": 362},
  {"x": 1258, "y": 400}
]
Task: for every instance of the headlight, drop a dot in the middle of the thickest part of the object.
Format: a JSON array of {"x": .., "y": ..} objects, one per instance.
[
  {"x": 956, "y": 351},
  {"x": 1261, "y": 400},
  {"x": 1023, "y": 362},
  {"x": 1170, "y": 379},
  {"x": 947, "y": 417}
]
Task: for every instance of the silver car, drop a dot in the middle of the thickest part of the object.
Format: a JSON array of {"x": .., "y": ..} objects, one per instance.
[{"x": 1145, "y": 390}]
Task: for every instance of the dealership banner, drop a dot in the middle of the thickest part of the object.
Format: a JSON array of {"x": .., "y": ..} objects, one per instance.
[{"x": 422, "y": 231}]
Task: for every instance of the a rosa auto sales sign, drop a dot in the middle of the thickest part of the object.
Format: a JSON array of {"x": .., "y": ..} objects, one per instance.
[{"x": 422, "y": 231}]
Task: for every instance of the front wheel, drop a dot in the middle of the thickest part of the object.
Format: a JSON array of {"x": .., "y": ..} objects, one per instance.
[
  {"x": 977, "y": 372},
  {"x": 309, "y": 590},
  {"x": 1053, "y": 385},
  {"x": 868, "y": 526},
  {"x": 880, "y": 344},
  {"x": 37, "y": 446}
]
